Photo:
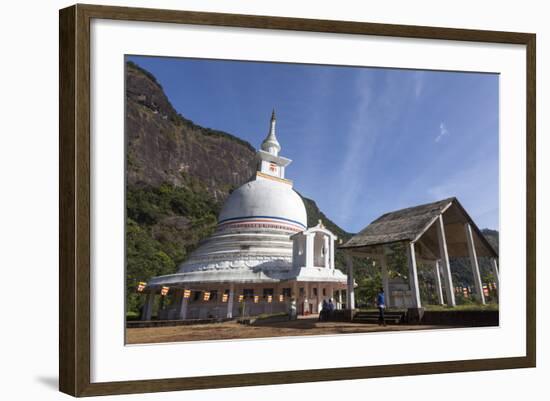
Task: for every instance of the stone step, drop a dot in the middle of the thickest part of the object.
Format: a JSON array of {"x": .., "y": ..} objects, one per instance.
[
  {"x": 375, "y": 314},
  {"x": 372, "y": 317},
  {"x": 375, "y": 320}
]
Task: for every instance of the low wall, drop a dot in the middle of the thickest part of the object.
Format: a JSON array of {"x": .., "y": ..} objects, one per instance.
[
  {"x": 161, "y": 323},
  {"x": 461, "y": 318},
  {"x": 341, "y": 315}
]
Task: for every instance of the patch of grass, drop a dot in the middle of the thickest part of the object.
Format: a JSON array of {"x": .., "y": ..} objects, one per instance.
[
  {"x": 268, "y": 315},
  {"x": 460, "y": 308}
]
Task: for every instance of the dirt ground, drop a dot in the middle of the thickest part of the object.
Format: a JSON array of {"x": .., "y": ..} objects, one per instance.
[{"x": 234, "y": 330}]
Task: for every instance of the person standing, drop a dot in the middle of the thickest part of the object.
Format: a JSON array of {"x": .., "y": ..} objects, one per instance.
[
  {"x": 330, "y": 309},
  {"x": 381, "y": 305}
]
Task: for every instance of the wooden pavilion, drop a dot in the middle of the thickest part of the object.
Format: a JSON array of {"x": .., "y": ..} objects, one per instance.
[{"x": 431, "y": 233}]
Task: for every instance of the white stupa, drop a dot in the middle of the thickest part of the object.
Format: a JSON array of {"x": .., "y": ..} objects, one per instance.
[{"x": 262, "y": 254}]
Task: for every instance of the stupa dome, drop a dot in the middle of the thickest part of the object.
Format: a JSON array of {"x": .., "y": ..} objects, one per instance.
[{"x": 265, "y": 199}]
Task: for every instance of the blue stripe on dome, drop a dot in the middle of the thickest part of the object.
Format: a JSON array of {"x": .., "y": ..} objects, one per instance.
[{"x": 261, "y": 217}]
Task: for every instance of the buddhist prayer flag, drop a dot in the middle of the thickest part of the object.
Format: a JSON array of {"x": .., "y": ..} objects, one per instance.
[
  {"x": 241, "y": 298},
  {"x": 164, "y": 291},
  {"x": 485, "y": 291},
  {"x": 281, "y": 298},
  {"x": 141, "y": 286},
  {"x": 269, "y": 298},
  {"x": 225, "y": 297},
  {"x": 256, "y": 298},
  {"x": 187, "y": 293},
  {"x": 206, "y": 296}
]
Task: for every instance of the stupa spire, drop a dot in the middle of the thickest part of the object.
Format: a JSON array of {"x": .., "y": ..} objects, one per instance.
[{"x": 270, "y": 143}]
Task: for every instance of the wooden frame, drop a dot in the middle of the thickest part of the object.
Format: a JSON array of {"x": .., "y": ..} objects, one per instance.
[{"x": 74, "y": 204}]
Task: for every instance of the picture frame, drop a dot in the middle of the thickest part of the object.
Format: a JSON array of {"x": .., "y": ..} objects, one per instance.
[{"x": 75, "y": 204}]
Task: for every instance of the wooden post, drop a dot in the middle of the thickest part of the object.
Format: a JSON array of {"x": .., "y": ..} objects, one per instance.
[
  {"x": 350, "y": 291},
  {"x": 413, "y": 276},
  {"x": 473, "y": 262},
  {"x": 444, "y": 256},
  {"x": 438, "y": 287},
  {"x": 385, "y": 279}
]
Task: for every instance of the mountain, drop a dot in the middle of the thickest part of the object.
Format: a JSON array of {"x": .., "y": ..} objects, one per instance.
[{"x": 164, "y": 147}]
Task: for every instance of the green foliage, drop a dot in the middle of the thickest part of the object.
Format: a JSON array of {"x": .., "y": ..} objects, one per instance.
[
  {"x": 368, "y": 287},
  {"x": 164, "y": 224},
  {"x": 463, "y": 307}
]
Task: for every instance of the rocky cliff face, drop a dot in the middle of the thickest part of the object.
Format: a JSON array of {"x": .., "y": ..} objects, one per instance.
[{"x": 164, "y": 147}]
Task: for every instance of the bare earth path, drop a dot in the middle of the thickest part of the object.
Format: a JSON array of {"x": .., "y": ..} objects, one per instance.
[{"x": 233, "y": 330}]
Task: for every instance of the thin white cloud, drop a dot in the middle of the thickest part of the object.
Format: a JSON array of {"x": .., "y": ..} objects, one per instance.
[
  {"x": 443, "y": 131},
  {"x": 360, "y": 142}
]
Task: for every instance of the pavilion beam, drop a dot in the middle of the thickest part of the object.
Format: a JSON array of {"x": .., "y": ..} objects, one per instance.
[
  {"x": 494, "y": 265},
  {"x": 438, "y": 287},
  {"x": 473, "y": 262},
  {"x": 413, "y": 276},
  {"x": 148, "y": 307},
  {"x": 385, "y": 279},
  {"x": 445, "y": 265},
  {"x": 350, "y": 293}
]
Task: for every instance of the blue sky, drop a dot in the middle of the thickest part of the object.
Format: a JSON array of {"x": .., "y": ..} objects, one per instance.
[{"x": 364, "y": 141}]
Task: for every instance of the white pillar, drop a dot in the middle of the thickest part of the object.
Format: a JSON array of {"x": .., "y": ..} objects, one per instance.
[
  {"x": 331, "y": 242},
  {"x": 183, "y": 306},
  {"x": 473, "y": 262},
  {"x": 496, "y": 274},
  {"x": 319, "y": 297},
  {"x": 307, "y": 298},
  {"x": 309, "y": 249},
  {"x": 438, "y": 287},
  {"x": 444, "y": 256},
  {"x": 350, "y": 291},
  {"x": 340, "y": 299},
  {"x": 327, "y": 251},
  {"x": 148, "y": 307},
  {"x": 230, "y": 301},
  {"x": 413, "y": 276},
  {"x": 385, "y": 278}
]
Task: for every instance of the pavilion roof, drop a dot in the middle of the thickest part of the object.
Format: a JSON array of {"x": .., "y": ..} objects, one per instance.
[{"x": 410, "y": 224}]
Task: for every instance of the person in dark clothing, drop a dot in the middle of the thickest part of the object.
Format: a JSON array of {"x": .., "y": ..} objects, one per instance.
[
  {"x": 324, "y": 311},
  {"x": 381, "y": 305}
]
